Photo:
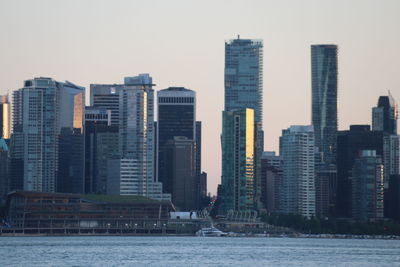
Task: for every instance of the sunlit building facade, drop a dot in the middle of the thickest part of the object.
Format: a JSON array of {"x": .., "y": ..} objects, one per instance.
[
  {"x": 238, "y": 160},
  {"x": 5, "y": 117}
]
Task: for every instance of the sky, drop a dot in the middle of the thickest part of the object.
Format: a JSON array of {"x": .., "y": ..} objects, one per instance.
[{"x": 181, "y": 43}]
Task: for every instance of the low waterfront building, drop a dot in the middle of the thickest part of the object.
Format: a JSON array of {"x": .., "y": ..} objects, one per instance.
[{"x": 55, "y": 211}]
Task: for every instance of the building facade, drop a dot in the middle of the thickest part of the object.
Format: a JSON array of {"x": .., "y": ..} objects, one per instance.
[
  {"x": 101, "y": 144},
  {"x": 5, "y": 117},
  {"x": 244, "y": 76},
  {"x": 271, "y": 176},
  {"x": 385, "y": 115},
  {"x": 297, "y": 148},
  {"x": 176, "y": 117},
  {"x": 324, "y": 73},
  {"x": 350, "y": 143},
  {"x": 238, "y": 160},
  {"x": 180, "y": 168},
  {"x": 244, "y": 89},
  {"x": 40, "y": 110},
  {"x": 367, "y": 186}
]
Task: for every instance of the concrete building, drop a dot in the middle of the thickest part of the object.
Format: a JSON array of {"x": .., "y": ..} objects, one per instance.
[
  {"x": 324, "y": 73},
  {"x": 237, "y": 160},
  {"x": 367, "y": 186},
  {"x": 297, "y": 148},
  {"x": 40, "y": 110},
  {"x": 5, "y": 117}
]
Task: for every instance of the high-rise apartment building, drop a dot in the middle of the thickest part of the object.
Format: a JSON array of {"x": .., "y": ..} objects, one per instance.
[
  {"x": 40, "y": 110},
  {"x": 324, "y": 65},
  {"x": 5, "y": 117},
  {"x": 297, "y": 149},
  {"x": 385, "y": 115},
  {"x": 237, "y": 160},
  {"x": 391, "y": 156},
  {"x": 367, "y": 186}
]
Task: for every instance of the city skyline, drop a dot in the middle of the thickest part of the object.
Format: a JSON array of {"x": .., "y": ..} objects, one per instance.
[{"x": 286, "y": 54}]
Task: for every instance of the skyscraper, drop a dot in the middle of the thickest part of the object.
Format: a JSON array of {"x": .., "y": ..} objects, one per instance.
[
  {"x": 238, "y": 160},
  {"x": 367, "y": 186},
  {"x": 41, "y": 108},
  {"x": 176, "y": 117},
  {"x": 107, "y": 95},
  {"x": 180, "y": 154},
  {"x": 385, "y": 115},
  {"x": 133, "y": 172},
  {"x": 244, "y": 89},
  {"x": 244, "y": 76},
  {"x": 324, "y": 65},
  {"x": 349, "y": 145},
  {"x": 4, "y": 117},
  {"x": 297, "y": 148},
  {"x": 101, "y": 144}
]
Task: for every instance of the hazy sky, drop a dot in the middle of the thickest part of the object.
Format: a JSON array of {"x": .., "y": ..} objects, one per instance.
[{"x": 181, "y": 43}]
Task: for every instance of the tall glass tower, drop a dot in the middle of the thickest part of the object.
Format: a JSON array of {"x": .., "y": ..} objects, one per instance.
[
  {"x": 324, "y": 65},
  {"x": 244, "y": 75}
]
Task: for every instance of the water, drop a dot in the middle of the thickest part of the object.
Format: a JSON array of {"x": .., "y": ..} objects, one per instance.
[{"x": 196, "y": 251}]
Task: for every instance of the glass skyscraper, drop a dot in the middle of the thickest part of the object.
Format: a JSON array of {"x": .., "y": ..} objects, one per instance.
[
  {"x": 385, "y": 115},
  {"x": 238, "y": 160},
  {"x": 324, "y": 65},
  {"x": 244, "y": 75}
]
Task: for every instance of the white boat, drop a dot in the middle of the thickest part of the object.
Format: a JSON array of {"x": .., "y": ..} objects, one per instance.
[{"x": 210, "y": 231}]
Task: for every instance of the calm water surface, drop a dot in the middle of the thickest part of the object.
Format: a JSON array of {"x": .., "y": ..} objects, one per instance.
[{"x": 196, "y": 251}]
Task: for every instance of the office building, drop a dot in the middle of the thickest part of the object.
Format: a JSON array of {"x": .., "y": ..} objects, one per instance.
[
  {"x": 297, "y": 148},
  {"x": 70, "y": 175},
  {"x": 101, "y": 144},
  {"x": 244, "y": 76},
  {"x": 180, "y": 153},
  {"x": 40, "y": 110},
  {"x": 237, "y": 181},
  {"x": 385, "y": 115},
  {"x": 176, "y": 117},
  {"x": 5, "y": 117},
  {"x": 324, "y": 73},
  {"x": 349, "y": 145},
  {"x": 367, "y": 186},
  {"x": 244, "y": 89}
]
